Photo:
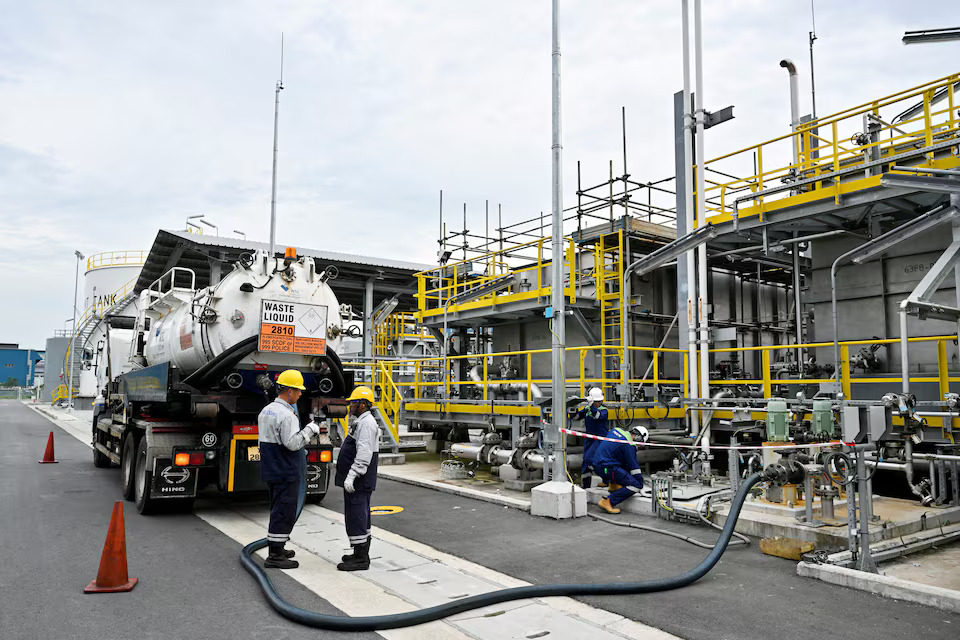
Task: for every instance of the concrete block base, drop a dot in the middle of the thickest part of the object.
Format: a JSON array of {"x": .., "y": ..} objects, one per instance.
[
  {"x": 507, "y": 472},
  {"x": 436, "y": 446},
  {"x": 886, "y": 586},
  {"x": 391, "y": 458},
  {"x": 559, "y": 500},
  {"x": 521, "y": 485}
]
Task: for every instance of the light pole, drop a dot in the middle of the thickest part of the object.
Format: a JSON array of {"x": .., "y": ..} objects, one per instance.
[
  {"x": 240, "y": 233},
  {"x": 73, "y": 340},
  {"x": 190, "y": 224},
  {"x": 216, "y": 229}
]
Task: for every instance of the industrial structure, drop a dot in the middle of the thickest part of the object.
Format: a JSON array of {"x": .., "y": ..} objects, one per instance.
[{"x": 826, "y": 315}]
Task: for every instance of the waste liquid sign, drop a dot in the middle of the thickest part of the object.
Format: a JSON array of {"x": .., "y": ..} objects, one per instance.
[{"x": 293, "y": 327}]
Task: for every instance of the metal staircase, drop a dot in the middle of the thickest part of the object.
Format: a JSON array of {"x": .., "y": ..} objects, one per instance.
[
  {"x": 608, "y": 272},
  {"x": 86, "y": 326}
]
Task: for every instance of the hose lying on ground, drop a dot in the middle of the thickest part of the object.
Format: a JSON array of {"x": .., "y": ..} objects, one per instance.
[
  {"x": 421, "y": 616},
  {"x": 672, "y": 534}
]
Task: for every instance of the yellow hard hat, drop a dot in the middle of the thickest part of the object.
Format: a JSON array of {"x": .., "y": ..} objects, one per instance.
[
  {"x": 291, "y": 378},
  {"x": 361, "y": 393}
]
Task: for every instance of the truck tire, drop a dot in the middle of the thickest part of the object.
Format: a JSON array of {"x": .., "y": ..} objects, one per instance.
[
  {"x": 142, "y": 480},
  {"x": 128, "y": 465},
  {"x": 100, "y": 461}
]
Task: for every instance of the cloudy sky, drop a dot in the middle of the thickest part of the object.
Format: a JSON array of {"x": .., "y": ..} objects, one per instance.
[{"x": 119, "y": 118}]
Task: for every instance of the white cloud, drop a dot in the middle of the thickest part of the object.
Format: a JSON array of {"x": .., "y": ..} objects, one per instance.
[{"x": 119, "y": 118}]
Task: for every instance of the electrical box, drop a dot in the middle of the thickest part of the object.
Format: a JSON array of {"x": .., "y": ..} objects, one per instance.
[
  {"x": 822, "y": 422},
  {"x": 778, "y": 426}
]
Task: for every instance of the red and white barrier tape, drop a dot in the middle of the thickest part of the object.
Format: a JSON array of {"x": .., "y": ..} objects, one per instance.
[{"x": 815, "y": 445}]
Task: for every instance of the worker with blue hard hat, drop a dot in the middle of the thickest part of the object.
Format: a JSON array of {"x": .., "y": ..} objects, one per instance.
[
  {"x": 595, "y": 422},
  {"x": 615, "y": 461},
  {"x": 357, "y": 474},
  {"x": 281, "y": 441}
]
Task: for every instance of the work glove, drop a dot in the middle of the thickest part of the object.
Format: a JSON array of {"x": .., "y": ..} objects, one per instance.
[
  {"x": 312, "y": 429},
  {"x": 348, "y": 482}
]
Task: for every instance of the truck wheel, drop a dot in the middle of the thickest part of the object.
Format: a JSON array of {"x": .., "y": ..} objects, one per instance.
[
  {"x": 142, "y": 481},
  {"x": 128, "y": 465},
  {"x": 100, "y": 461}
]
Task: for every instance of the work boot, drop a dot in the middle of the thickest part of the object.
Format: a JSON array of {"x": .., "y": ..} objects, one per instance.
[
  {"x": 606, "y": 506},
  {"x": 613, "y": 486},
  {"x": 360, "y": 560},
  {"x": 279, "y": 558},
  {"x": 280, "y": 562}
]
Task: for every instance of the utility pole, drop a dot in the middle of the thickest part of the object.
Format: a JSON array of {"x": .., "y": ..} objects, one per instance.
[
  {"x": 73, "y": 341},
  {"x": 553, "y": 438},
  {"x": 273, "y": 189}
]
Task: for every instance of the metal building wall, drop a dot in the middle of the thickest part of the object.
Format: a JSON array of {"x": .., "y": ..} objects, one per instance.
[
  {"x": 869, "y": 296},
  {"x": 56, "y": 351}
]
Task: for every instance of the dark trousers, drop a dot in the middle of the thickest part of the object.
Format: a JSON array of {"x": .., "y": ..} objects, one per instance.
[
  {"x": 283, "y": 511},
  {"x": 631, "y": 483},
  {"x": 356, "y": 513}
]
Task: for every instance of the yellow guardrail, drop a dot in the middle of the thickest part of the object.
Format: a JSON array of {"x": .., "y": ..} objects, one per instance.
[
  {"x": 116, "y": 259},
  {"x": 425, "y": 376},
  {"x": 107, "y": 301},
  {"x": 397, "y": 326},
  {"x": 833, "y": 155},
  {"x": 437, "y": 288}
]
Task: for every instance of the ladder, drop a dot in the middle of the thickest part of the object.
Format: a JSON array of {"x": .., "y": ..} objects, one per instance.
[{"x": 608, "y": 274}]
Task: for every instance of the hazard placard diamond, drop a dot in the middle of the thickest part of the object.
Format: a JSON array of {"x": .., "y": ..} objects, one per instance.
[{"x": 311, "y": 321}]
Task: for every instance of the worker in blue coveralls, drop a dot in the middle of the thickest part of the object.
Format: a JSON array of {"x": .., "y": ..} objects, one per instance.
[
  {"x": 357, "y": 474},
  {"x": 281, "y": 441},
  {"x": 594, "y": 417},
  {"x": 616, "y": 462}
]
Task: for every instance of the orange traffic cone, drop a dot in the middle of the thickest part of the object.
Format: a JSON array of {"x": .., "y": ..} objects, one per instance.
[
  {"x": 112, "y": 576},
  {"x": 48, "y": 454}
]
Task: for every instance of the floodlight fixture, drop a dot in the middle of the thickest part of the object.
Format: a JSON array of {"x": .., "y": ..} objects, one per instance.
[{"x": 924, "y": 36}]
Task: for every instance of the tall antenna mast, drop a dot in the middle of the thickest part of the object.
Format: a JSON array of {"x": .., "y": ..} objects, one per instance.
[
  {"x": 813, "y": 85},
  {"x": 273, "y": 190}
]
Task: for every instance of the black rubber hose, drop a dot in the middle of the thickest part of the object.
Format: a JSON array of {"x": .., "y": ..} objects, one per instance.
[
  {"x": 225, "y": 360},
  {"x": 336, "y": 370},
  {"x": 421, "y": 616}
]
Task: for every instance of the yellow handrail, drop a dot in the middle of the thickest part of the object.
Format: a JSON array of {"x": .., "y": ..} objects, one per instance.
[
  {"x": 105, "y": 259},
  {"x": 774, "y": 178}
]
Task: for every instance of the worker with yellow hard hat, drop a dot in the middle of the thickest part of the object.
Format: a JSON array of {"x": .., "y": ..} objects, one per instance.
[
  {"x": 281, "y": 441},
  {"x": 357, "y": 474}
]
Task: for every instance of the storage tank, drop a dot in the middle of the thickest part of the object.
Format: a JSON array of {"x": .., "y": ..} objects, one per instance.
[
  {"x": 108, "y": 274},
  {"x": 192, "y": 328}
]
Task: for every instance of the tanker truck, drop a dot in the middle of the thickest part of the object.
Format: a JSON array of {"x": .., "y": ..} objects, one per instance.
[{"x": 179, "y": 412}]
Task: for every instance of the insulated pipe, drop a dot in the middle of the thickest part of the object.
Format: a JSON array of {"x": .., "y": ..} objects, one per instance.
[
  {"x": 904, "y": 350},
  {"x": 797, "y": 305},
  {"x": 703, "y": 302},
  {"x": 421, "y": 616},
  {"x": 692, "y": 381},
  {"x": 467, "y": 450},
  {"x": 787, "y": 64}
]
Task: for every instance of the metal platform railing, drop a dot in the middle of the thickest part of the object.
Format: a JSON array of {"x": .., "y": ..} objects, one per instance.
[{"x": 837, "y": 154}]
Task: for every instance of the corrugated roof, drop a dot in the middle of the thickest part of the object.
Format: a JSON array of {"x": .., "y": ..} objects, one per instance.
[
  {"x": 206, "y": 255},
  {"x": 331, "y": 256}
]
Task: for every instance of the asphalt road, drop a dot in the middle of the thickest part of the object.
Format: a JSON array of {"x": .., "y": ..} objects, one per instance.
[
  {"x": 747, "y": 596},
  {"x": 52, "y": 532}
]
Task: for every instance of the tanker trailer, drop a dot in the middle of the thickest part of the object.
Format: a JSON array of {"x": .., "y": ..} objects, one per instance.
[{"x": 181, "y": 413}]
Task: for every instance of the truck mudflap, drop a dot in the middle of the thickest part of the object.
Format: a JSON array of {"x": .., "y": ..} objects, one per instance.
[
  {"x": 318, "y": 478},
  {"x": 170, "y": 481}
]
